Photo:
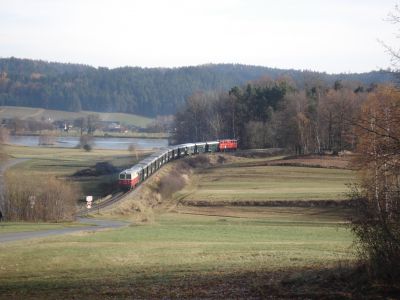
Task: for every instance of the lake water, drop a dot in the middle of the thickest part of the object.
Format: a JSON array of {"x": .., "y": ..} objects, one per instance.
[{"x": 99, "y": 142}]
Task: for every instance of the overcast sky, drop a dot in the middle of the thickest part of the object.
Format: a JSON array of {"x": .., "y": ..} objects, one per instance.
[{"x": 322, "y": 35}]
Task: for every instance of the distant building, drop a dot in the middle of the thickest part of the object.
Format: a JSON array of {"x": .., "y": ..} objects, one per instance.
[{"x": 110, "y": 126}]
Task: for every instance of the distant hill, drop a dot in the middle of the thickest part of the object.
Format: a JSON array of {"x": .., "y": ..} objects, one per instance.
[
  {"x": 142, "y": 91},
  {"x": 26, "y": 113}
]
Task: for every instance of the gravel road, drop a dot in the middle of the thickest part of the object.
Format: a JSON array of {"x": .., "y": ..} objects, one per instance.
[{"x": 99, "y": 225}]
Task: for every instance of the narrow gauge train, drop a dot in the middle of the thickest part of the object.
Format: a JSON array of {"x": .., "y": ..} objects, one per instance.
[{"x": 130, "y": 178}]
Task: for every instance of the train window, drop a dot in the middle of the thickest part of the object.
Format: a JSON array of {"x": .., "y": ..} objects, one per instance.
[
  {"x": 121, "y": 176},
  {"x": 128, "y": 176}
]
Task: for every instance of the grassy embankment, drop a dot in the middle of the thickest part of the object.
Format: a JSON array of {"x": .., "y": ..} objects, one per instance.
[{"x": 187, "y": 251}]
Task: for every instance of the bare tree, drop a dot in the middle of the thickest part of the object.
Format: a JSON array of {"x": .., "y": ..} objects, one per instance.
[
  {"x": 92, "y": 123},
  {"x": 377, "y": 225},
  {"x": 394, "y": 52},
  {"x": 81, "y": 124},
  {"x": 132, "y": 149}
]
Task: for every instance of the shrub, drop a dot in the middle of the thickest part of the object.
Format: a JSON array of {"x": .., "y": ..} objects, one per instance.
[
  {"x": 28, "y": 198},
  {"x": 171, "y": 183},
  {"x": 86, "y": 142},
  {"x": 377, "y": 238},
  {"x": 198, "y": 161},
  {"x": 87, "y": 147},
  {"x": 4, "y": 134}
]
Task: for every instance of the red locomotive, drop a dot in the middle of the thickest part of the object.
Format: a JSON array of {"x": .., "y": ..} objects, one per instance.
[
  {"x": 227, "y": 145},
  {"x": 129, "y": 179}
]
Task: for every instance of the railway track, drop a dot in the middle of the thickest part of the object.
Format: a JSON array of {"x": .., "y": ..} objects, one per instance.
[
  {"x": 97, "y": 207},
  {"x": 154, "y": 164}
]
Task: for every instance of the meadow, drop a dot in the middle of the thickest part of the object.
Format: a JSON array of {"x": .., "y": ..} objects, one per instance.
[
  {"x": 253, "y": 180},
  {"x": 63, "y": 163},
  {"x": 179, "y": 255},
  {"x": 187, "y": 251},
  {"x": 40, "y": 113}
]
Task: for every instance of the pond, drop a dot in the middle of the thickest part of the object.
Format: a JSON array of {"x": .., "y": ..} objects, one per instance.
[{"x": 113, "y": 143}]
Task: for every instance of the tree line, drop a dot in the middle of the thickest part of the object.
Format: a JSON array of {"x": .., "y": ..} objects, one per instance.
[
  {"x": 143, "y": 91},
  {"x": 276, "y": 113}
]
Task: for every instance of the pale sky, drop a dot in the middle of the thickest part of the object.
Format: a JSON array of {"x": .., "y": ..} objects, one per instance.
[{"x": 321, "y": 35}]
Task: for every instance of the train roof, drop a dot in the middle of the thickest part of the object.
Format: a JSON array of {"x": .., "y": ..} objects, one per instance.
[
  {"x": 152, "y": 157},
  {"x": 182, "y": 145},
  {"x": 158, "y": 154},
  {"x": 134, "y": 169},
  {"x": 148, "y": 160},
  {"x": 186, "y": 145},
  {"x": 140, "y": 165},
  {"x": 173, "y": 147}
]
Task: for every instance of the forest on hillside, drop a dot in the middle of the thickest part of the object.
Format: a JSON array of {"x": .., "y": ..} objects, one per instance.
[{"x": 143, "y": 91}]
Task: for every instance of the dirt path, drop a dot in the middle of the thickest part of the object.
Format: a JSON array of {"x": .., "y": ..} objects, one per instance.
[{"x": 95, "y": 225}]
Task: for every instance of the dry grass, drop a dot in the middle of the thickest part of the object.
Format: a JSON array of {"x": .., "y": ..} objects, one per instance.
[
  {"x": 3, "y": 139},
  {"x": 326, "y": 161},
  {"x": 38, "y": 199},
  {"x": 177, "y": 256},
  {"x": 239, "y": 182}
]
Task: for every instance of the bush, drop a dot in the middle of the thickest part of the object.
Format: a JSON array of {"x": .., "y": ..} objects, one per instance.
[
  {"x": 38, "y": 199},
  {"x": 87, "y": 147},
  {"x": 198, "y": 161},
  {"x": 101, "y": 168},
  {"x": 86, "y": 142},
  {"x": 171, "y": 183},
  {"x": 378, "y": 239}
]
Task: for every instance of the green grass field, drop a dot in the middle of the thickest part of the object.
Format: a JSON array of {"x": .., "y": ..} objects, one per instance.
[
  {"x": 181, "y": 255},
  {"x": 64, "y": 162},
  {"x": 185, "y": 251},
  {"x": 39, "y": 113},
  {"x": 10, "y": 227},
  {"x": 250, "y": 180}
]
